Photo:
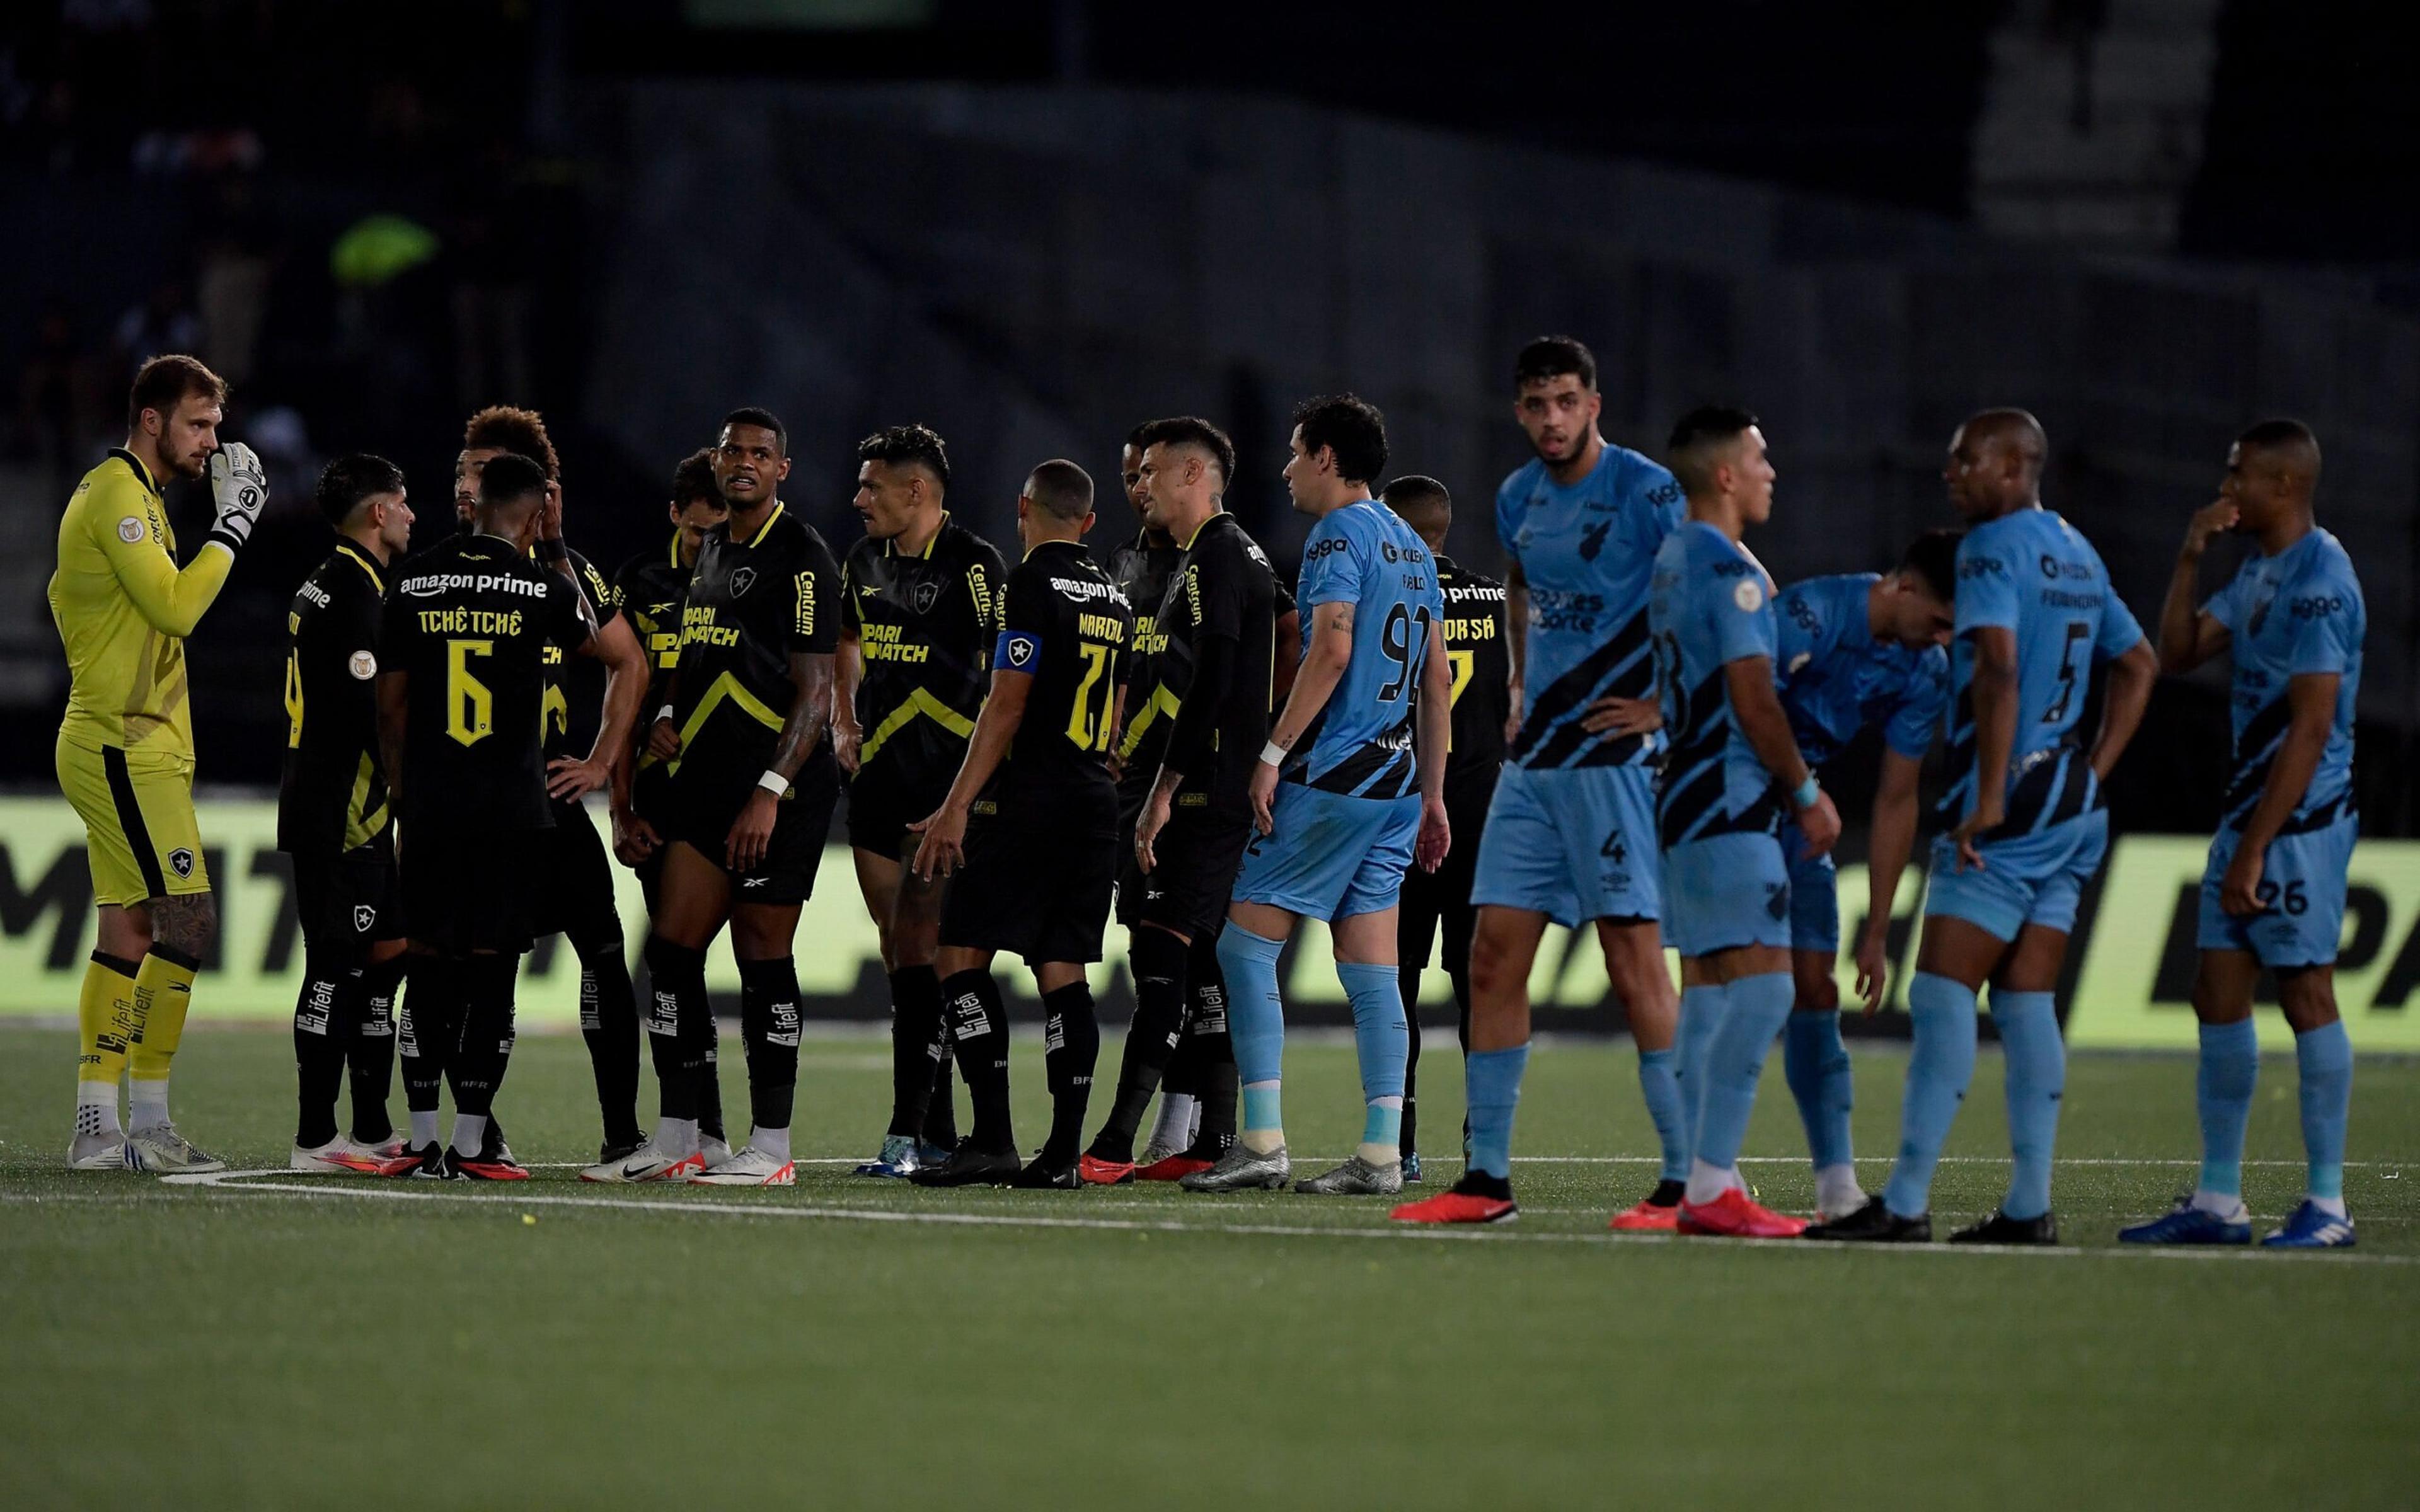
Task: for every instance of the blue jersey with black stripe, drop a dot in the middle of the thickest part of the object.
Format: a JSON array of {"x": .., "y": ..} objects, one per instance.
[
  {"x": 1710, "y": 603},
  {"x": 2033, "y": 573},
  {"x": 1360, "y": 743},
  {"x": 2299, "y": 613},
  {"x": 1837, "y": 679},
  {"x": 1586, "y": 552}
]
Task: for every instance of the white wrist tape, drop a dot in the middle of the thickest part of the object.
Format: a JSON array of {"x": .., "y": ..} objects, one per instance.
[
  {"x": 773, "y": 782},
  {"x": 1273, "y": 754}
]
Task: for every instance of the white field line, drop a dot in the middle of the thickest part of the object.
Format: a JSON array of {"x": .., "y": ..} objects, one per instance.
[
  {"x": 1444, "y": 1163},
  {"x": 246, "y": 1183}
]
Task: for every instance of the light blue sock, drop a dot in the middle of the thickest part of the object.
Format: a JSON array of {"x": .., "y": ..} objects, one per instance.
[
  {"x": 1261, "y": 1110},
  {"x": 1817, "y": 1065},
  {"x": 1701, "y": 1013},
  {"x": 2035, "y": 1071},
  {"x": 1491, "y": 1081},
  {"x": 1942, "y": 1014},
  {"x": 2325, "y": 1055},
  {"x": 1661, "y": 1088},
  {"x": 1255, "y": 1014},
  {"x": 1383, "y": 1124},
  {"x": 2230, "y": 1068},
  {"x": 1753, "y": 1012},
  {"x": 1381, "y": 1038}
]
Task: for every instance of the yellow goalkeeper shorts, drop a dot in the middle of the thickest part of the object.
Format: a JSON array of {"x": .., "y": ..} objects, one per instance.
[{"x": 137, "y": 809}]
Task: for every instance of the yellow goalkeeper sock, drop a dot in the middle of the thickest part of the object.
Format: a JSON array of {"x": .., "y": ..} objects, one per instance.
[
  {"x": 164, "y": 990},
  {"x": 105, "y": 1022}
]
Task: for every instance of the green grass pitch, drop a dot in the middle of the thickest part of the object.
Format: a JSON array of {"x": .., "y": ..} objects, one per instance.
[{"x": 309, "y": 1342}]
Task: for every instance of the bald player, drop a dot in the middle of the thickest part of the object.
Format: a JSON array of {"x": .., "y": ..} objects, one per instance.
[
  {"x": 2027, "y": 827},
  {"x": 2274, "y": 894}
]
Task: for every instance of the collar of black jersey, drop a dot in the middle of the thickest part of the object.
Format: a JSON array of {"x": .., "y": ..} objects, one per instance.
[
  {"x": 142, "y": 473},
  {"x": 890, "y": 543},
  {"x": 1040, "y": 547}
]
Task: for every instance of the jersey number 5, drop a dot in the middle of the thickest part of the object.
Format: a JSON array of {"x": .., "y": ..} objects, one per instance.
[
  {"x": 1087, "y": 727},
  {"x": 2068, "y": 676},
  {"x": 469, "y": 708}
]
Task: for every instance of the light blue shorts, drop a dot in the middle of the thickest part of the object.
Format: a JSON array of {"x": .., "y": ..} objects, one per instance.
[
  {"x": 1814, "y": 895},
  {"x": 1725, "y": 892},
  {"x": 2025, "y": 879},
  {"x": 1330, "y": 856},
  {"x": 1574, "y": 845},
  {"x": 2301, "y": 882}
]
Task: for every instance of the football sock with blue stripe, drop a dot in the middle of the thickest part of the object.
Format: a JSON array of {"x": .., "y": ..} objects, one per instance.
[
  {"x": 2223, "y": 1085},
  {"x": 1942, "y": 1014},
  {"x": 1659, "y": 1084},
  {"x": 2325, "y": 1055},
  {"x": 1701, "y": 1012},
  {"x": 1256, "y": 1022},
  {"x": 1382, "y": 1042},
  {"x": 1491, "y": 1082},
  {"x": 2035, "y": 1075},
  {"x": 1817, "y": 1066},
  {"x": 1753, "y": 1012}
]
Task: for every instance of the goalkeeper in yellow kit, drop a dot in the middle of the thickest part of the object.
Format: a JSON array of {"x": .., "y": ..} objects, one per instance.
[{"x": 126, "y": 749}]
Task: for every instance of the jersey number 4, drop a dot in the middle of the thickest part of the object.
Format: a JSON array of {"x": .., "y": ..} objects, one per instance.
[
  {"x": 293, "y": 699},
  {"x": 469, "y": 708},
  {"x": 1089, "y": 726}
]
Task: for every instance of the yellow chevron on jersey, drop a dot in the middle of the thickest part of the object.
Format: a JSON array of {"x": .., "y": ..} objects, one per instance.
[
  {"x": 123, "y": 608},
  {"x": 917, "y": 703}
]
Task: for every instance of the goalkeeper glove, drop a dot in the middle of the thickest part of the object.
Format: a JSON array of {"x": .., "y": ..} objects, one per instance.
[{"x": 239, "y": 488}]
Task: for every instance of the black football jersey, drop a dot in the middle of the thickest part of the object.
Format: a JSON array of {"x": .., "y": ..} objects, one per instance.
[
  {"x": 1141, "y": 569},
  {"x": 1223, "y": 587},
  {"x": 1068, "y": 627},
  {"x": 331, "y": 795},
  {"x": 1478, "y": 648},
  {"x": 651, "y": 588},
  {"x": 575, "y": 687},
  {"x": 750, "y": 603},
  {"x": 925, "y": 626},
  {"x": 470, "y": 622}
]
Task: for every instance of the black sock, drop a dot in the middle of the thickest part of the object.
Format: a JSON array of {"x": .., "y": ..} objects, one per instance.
[
  {"x": 427, "y": 1021},
  {"x": 677, "y": 1001},
  {"x": 1157, "y": 962},
  {"x": 1479, "y": 1183},
  {"x": 373, "y": 1053},
  {"x": 609, "y": 1021},
  {"x": 709, "y": 1077},
  {"x": 940, "y": 1125},
  {"x": 977, "y": 1023},
  {"x": 1071, "y": 1048},
  {"x": 915, "y": 1030},
  {"x": 769, "y": 1028},
  {"x": 485, "y": 1047},
  {"x": 1215, "y": 1084},
  {"x": 327, "y": 1015},
  {"x": 1410, "y": 980}
]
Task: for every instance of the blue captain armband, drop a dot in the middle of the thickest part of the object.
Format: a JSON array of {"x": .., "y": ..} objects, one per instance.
[{"x": 1017, "y": 651}]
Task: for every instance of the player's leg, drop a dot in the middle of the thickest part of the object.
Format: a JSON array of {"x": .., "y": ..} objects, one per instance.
[
  {"x": 896, "y": 900},
  {"x": 1157, "y": 957},
  {"x": 122, "y": 878},
  {"x": 1634, "y": 963},
  {"x": 1248, "y": 951},
  {"x": 480, "y": 1059},
  {"x": 371, "y": 1066},
  {"x": 328, "y": 1011},
  {"x": 428, "y": 1020},
  {"x": 1417, "y": 917},
  {"x": 2225, "y": 1074},
  {"x": 1606, "y": 827},
  {"x": 581, "y": 877},
  {"x": 1071, "y": 1050},
  {"x": 1814, "y": 1060},
  {"x": 2304, "y": 875},
  {"x": 1209, "y": 1044},
  {"x": 693, "y": 905},
  {"x": 770, "y": 1016},
  {"x": 712, "y": 1142},
  {"x": 974, "y": 1021},
  {"x": 183, "y": 928}
]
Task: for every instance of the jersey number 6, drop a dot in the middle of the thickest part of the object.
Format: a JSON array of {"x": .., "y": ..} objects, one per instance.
[{"x": 470, "y": 709}]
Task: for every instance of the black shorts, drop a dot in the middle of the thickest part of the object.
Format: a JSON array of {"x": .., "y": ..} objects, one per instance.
[
  {"x": 1131, "y": 796},
  {"x": 576, "y": 885},
  {"x": 883, "y": 800},
  {"x": 468, "y": 893},
  {"x": 1197, "y": 854},
  {"x": 348, "y": 903},
  {"x": 1034, "y": 887},
  {"x": 702, "y": 811},
  {"x": 1430, "y": 896}
]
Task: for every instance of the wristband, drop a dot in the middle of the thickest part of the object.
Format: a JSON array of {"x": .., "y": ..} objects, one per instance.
[
  {"x": 773, "y": 782},
  {"x": 1273, "y": 754},
  {"x": 551, "y": 551},
  {"x": 1805, "y": 794},
  {"x": 664, "y": 714}
]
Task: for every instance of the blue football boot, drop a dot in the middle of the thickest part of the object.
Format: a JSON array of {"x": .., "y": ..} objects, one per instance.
[
  {"x": 897, "y": 1161},
  {"x": 2311, "y": 1226},
  {"x": 2188, "y": 1225}
]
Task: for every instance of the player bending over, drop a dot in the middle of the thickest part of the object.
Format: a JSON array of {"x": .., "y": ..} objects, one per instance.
[
  {"x": 2274, "y": 894},
  {"x": 1339, "y": 800},
  {"x": 1031, "y": 826},
  {"x": 2035, "y": 614}
]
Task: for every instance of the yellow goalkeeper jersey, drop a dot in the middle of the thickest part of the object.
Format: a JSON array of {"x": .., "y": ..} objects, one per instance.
[{"x": 124, "y": 607}]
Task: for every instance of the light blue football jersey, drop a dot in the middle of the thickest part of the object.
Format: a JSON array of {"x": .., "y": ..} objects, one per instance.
[
  {"x": 1711, "y": 604},
  {"x": 1837, "y": 679},
  {"x": 2299, "y": 613},
  {"x": 1361, "y": 742}
]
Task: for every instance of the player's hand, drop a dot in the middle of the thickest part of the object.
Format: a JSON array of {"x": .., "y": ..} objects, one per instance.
[
  {"x": 1873, "y": 967},
  {"x": 943, "y": 849},
  {"x": 1147, "y": 828},
  {"x": 2215, "y": 518},
  {"x": 569, "y": 777},
  {"x": 634, "y": 839},
  {"x": 1986, "y": 818},
  {"x": 846, "y": 740},
  {"x": 1617, "y": 716},
  {"x": 744, "y": 848},
  {"x": 1437, "y": 835},
  {"x": 663, "y": 741},
  {"x": 1513, "y": 721},
  {"x": 549, "y": 514},
  {"x": 2239, "y": 890},
  {"x": 239, "y": 489},
  {"x": 1265, "y": 793},
  {"x": 1820, "y": 821}
]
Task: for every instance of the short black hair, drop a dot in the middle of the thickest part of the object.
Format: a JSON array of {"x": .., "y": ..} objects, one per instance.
[
  {"x": 1061, "y": 488},
  {"x": 1414, "y": 491},
  {"x": 348, "y": 480},
  {"x": 748, "y": 414},
  {"x": 163, "y": 383},
  {"x": 1134, "y": 437},
  {"x": 900, "y": 444},
  {"x": 1933, "y": 558},
  {"x": 694, "y": 479},
  {"x": 521, "y": 432},
  {"x": 1192, "y": 431},
  {"x": 1350, "y": 426},
  {"x": 1550, "y": 357},
  {"x": 508, "y": 478},
  {"x": 2290, "y": 436},
  {"x": 1695, "y": 438}
]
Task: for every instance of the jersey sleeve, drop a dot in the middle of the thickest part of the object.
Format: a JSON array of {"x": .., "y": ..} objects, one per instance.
[
  {"x": 1024, "y": 620},
  {"x": 566, "y": 626},
  {"x": 1987, "y": 584},
  {"x": 2326, "y": 616},
  {"x": 851, "y": 622},
  {"x": 988, "y": 578},
  {"x": 170, "y": 599},
  {"x": 1214, "y": 588},
  {"x": 1798, "y": 627},
  {"x": 1508, "y": 519},
  {"x": 2226, "y": 605},
  {"x": 1740, "y": 613},
  {"x": 2120, "y": 631},
  {"x": 603, "y": 601},
  {"x": 1922, "y": 701},
  {"x": 398, "y": 632},
  {"x": 815, "y": 627},
  {"x": 1658, "y": 507},
  {"x": 1333, "y": 560}
]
